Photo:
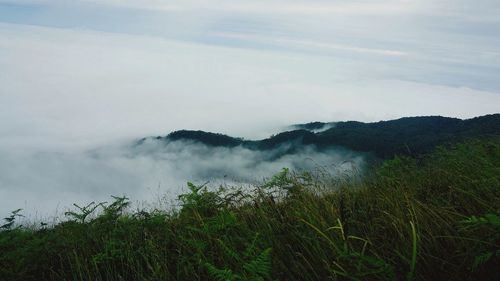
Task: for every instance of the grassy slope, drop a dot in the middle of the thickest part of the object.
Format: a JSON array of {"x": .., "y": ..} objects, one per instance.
[{"x": 435, "y": 219}]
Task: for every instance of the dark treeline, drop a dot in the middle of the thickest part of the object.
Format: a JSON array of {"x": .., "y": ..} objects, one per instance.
[{"x": 405, "y": 136}]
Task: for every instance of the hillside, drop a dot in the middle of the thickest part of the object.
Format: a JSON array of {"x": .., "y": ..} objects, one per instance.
[
  {"x": 435, "y": 218},
  {"x": 407, "y": 136}
]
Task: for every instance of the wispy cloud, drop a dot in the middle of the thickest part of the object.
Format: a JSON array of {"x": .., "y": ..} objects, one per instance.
[
  {"x": 481, "y": 10},
  {"x": 251, "y": 6},
  {"x": 86, "y": 85},
  {"x": 310, "y": 45}
]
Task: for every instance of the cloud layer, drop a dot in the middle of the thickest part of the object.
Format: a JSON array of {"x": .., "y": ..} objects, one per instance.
[
  {"x": 41, "y": 182},
  {"x": 74, "y": 87},
  {"x": 117, "y": 70}
]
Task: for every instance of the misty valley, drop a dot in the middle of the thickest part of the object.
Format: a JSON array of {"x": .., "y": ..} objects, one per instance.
[
  {"x": 195, "y": 203},
  {"x": 148, "y": 167},
  {"x": 249, "y": 140}
]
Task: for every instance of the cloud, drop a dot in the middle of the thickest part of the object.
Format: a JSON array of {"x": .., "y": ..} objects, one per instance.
[
  {"x": 254, "y": 6},
  {"x": 481, "y": 10},
  {"x": 128, "y": 69},
  {"x": 41, "y": 182},
  {"x": 25, "y": 2},
  {"x": 440, "y": 42},
  {"x": 86, "y": 87},
  {"x": 307, "y": 44}
]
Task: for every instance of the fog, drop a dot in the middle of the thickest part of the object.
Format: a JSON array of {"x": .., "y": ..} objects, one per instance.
[
  {"x": 152, "y": 174},
  {"x": 76, "y": 88}
]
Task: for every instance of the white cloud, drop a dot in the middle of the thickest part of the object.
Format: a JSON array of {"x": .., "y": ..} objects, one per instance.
[
  {"x": 25, "y": 2},
  {"x": 479, "y": 10},
  {"x": 41, "y": 182},
  {"x": 79, "y": 87},
  {"x": 270, "y": 6},
  {"x": 244, "y": 68},
  {"x": 307, "y": 44}
]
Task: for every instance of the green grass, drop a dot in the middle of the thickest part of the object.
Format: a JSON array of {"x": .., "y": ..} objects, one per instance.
[{"x": 432, "y": 218}]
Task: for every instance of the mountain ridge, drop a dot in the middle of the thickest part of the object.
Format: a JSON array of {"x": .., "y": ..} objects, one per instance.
[{"x": 407, "y": 135}]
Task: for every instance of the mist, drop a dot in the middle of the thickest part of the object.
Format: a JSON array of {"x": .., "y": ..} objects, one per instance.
[
  {"x": 45, "y": 184},
  {"x": 77, "y": 88}
]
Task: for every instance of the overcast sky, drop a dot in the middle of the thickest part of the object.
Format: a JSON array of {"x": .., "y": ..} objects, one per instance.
[{"x": 82, "y": 73}]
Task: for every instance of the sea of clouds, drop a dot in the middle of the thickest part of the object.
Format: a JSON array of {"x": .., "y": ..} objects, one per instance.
[{"x": 152, "y": 174}]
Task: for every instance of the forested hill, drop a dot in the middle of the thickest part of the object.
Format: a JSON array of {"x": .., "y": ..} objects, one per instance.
[{"x": 409, "y": 135}]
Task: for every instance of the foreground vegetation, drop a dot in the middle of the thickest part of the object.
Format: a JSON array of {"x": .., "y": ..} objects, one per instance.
[{"x": 432, "y": 218}]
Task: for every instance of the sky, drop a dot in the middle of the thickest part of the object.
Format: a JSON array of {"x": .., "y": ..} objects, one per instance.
[{"x": 81, "y": 74}]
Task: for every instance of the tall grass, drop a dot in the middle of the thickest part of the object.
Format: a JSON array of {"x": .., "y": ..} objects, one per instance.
[{"x": 432, "y": 218}]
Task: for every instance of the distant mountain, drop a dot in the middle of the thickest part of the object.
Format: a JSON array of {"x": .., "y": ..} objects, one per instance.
[
  {"x": 409, "y": 135},
  {"x": 315, "y": 127},
  {"x": 207, "y": 138}
]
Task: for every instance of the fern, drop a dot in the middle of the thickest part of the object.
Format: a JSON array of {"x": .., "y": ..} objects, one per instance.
[
  {"x": 481, "y": 259},
  {"x": 223, "y": 220},
  {"x": 260, "y": 265},
  {"x": 488, "y": 221},
  {"x": 83, "y": 213},
  {"x": 228, "y": 251},
  {"x": 280, "y": 180},
  {"x": 10, "y": 220},
  {"x": 221, "y": 274}
]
